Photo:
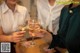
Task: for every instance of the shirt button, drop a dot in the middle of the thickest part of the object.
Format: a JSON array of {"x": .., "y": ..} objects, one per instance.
[{"x": 70, "y": 11}]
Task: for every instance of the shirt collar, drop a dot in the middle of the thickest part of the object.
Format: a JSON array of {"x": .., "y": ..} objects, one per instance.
[
  {"x": 17, "y": 9},
  {"x": 55, "y": 3},
  {"x": 5, "y": 8}
]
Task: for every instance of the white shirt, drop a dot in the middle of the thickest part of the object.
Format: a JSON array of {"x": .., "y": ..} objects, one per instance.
[
  {"x": 10, "y": 21},
  {"x": 49, "y": 15}
]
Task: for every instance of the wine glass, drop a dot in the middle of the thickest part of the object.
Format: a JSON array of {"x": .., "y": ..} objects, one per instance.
[
  {"x": 33, "y": 27},
  {"x": 22, "y": 28},
  {"x": 24, "y": 41}
]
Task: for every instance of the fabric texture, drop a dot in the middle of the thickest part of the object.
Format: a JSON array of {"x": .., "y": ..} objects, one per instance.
[
  {"x": 48, "y": 15},
  {"x": 69, "y": 30},
  {"x": 10, "y": 21}
]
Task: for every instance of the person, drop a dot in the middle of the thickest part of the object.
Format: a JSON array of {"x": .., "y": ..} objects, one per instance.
[
  {"x": 68, "y": 35},
  {"x": 48, "y": 14},
  {"x": 12, "y": 15}
]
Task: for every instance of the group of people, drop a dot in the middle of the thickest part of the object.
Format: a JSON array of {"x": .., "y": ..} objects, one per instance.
[{"x": 62, "y": 21}]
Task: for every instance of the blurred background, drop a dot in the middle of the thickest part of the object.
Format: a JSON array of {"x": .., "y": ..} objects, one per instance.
[{"x": 28, "y": 3}]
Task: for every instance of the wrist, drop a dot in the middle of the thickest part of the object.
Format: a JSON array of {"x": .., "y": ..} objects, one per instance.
[{"x": 10, "y": 38}]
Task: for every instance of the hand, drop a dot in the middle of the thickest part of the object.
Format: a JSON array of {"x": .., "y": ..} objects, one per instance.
[
  {"x": 49, "y": 50},
  {"x": 36, "y": 33},
  {"x": 26, "y": 43},
  {"x": 62, "y": 50},
  {"x": 40, "y": 33},
  {"x": 17, "y": 36}
]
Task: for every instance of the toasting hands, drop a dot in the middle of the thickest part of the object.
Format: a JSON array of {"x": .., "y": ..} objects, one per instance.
[{"x": 17, "y": 36}]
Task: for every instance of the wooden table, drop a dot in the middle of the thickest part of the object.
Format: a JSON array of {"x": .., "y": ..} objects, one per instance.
[
  {"x": 38, "y": 47},
  {"x": 40, "y": 43}
]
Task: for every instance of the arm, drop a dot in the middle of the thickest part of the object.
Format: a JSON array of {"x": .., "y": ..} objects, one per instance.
[
  {"x": 4, "y": 38},
  {"x": 14, "y": 37}
]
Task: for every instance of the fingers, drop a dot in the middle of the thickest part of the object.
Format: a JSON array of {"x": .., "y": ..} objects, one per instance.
[
  {"x": 17, "y": 36},
  {"x": 20, "y": 32},
  {"x": 16, "y": 40},
  {"x": 26, "y": 43}
]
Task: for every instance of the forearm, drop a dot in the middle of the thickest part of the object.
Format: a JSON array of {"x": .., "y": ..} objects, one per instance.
[
  {"x": 5, "y": 38},
  {"x": 47, "y": 37}
]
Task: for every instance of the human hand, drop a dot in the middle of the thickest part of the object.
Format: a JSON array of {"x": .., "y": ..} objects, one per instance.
[
  {"x": 17, "y": 36},
  {"x": 49, "y": 50},
  {"x": 40, "y": 33},
  {"x": 62, "y": 50},
  {"x": 26, "y": 43}
]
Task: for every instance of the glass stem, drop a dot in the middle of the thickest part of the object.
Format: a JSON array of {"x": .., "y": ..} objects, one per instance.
[{"x": 32, "y": 40}]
